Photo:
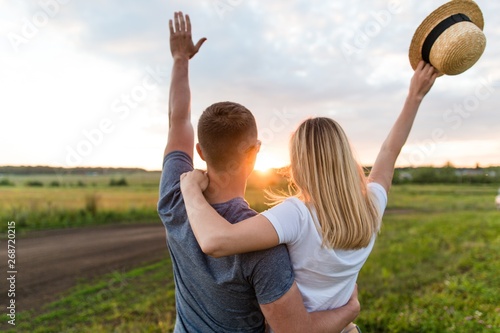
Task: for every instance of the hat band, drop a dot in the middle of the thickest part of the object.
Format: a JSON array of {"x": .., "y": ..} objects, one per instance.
[{"x": 438, "y": 30}]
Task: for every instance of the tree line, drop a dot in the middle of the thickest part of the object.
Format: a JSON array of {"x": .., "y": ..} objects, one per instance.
[
  {"x": 447, "y": 175},
  {"x": 48, "y": 170}
]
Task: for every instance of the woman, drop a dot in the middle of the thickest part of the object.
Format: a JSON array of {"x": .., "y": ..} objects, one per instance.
[{"x": 330, "y": 224}]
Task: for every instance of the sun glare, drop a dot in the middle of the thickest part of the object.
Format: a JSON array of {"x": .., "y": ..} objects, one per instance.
[
  {"x": 262, "y": 169},
  {"x": 265, "y": 162},
  {"x": 262, "y": 166}
]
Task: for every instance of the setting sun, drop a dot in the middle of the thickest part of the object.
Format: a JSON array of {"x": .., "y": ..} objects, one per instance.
[
  {"x": 262, "y": 167},
  {"x": 267, "y": 161}
]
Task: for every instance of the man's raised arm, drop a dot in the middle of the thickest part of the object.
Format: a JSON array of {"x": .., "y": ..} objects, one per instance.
[{"x": 181, "y": 133}]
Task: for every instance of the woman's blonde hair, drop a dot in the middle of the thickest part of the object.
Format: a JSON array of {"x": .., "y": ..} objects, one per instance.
[{"x": 327, "y": 177}]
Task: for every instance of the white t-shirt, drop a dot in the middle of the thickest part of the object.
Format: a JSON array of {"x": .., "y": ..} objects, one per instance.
[{"x": 325, "y": 277}]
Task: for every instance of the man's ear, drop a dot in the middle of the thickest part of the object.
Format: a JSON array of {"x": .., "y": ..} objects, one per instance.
[
  {"x": 252, "y": 156},
  {"x": 200, "y": 152},
  {"x": 255, "y": 150}
]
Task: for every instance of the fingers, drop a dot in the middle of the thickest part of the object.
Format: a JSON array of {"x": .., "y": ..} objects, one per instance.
[
  {"x": 171, "y": 27},
  {"x": 433, "y": 73},
  {"x": 201, "y": 172},
  {"x": 427, "y": 70},
  {"x": 188, "y": 23},
  {"x": 423, "y": 67},
  {"x": 431, "y": 69},
  {"x": 182, "y": 22},
  {"x": 177, "y": 22},
  {"x": 420, "y": 65},
  {"x": 199, "y": 44}
]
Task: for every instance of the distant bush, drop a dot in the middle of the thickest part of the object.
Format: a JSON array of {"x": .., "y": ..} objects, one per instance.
[
  {"x": 120, "y": 182},
  {"x": 34, "y": 183},
  {"x": 92, "y": 203},
  {"x": 54, "y": 183},
  {"x": 6, "y": 182},
  {"x": 80, "y": 184}
]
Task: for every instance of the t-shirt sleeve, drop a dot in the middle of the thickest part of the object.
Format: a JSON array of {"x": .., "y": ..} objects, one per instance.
[
  {"x": 379, "y": 197},
  {"x": 288, "y": 219},
  {"x": 174, "y": 165},
  {"x": 273, "y": 275}
]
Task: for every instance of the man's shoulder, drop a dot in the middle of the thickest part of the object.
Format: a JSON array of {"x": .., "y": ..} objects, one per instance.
[
  {"x": 235, "y": 210},
  {"x": 174, "y": 165}
]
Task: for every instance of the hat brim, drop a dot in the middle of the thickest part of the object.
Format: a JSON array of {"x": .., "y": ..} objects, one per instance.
[{"x": 467, "y": 7}]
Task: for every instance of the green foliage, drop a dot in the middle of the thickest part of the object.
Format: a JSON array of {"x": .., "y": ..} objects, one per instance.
[
  {"x": 47, "y": 170},
  {"x": 34, "y": 183},
  {"x": 91, "y": 203},
  {"x": 447, "y": 175},
  {"x": 119, "y": 182},
  {"x": 6, "y": 182},
  {"x": 100, "y": 177}
]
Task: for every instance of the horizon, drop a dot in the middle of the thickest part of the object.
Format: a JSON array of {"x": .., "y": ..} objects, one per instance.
[{"x": 271, "y": 169}]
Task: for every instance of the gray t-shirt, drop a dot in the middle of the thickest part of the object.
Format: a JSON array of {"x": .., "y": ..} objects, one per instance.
[{"x": 217, "y": 295}]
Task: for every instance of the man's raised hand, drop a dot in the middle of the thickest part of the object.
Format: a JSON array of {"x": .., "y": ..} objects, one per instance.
[{"x": 181, "y": 41}]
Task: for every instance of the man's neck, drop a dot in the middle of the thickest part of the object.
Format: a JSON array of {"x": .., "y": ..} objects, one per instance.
[{"x": 224, "y": 187}]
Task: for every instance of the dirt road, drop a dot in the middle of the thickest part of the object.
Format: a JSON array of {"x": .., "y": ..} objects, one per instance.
[{"x": 50, "y": 262}]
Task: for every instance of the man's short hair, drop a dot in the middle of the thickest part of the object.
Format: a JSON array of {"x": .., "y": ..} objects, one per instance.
[{"x": 226, "y": 131}]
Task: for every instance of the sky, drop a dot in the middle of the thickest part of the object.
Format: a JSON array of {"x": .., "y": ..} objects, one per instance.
[{"x": 85, "y": 83}]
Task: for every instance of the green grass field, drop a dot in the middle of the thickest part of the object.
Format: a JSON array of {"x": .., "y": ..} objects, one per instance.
[
  {"x": 435, "y": 268},
  {"x": 78, "y": 200}
]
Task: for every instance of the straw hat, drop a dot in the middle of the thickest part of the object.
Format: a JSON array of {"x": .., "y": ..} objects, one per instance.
[{"x": 451, "y": 38}]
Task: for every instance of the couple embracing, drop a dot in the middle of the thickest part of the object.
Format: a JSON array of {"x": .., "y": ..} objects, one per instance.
[{"x": 294, "y": 267}]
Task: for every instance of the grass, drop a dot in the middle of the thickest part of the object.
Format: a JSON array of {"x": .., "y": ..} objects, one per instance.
[
  {"x": 436, "y": 264},
  {"x": 433, "y": 272},
  {"x": 441, "y": 198},
  {"x": 141, "y": 300},
  {"x": 36, "y": 208},
  {"x": 435, "y": 268}
]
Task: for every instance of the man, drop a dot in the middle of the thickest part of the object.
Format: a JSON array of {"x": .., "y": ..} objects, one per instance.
[{"x": 234, "y": 293}]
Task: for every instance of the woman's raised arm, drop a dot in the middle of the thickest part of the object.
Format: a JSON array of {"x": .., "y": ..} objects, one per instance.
[{"x": 383, "y": 168}]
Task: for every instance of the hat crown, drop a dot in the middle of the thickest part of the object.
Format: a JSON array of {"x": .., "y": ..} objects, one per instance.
[
  {"x": 458, "y": 48},
  {"x": 450, "y": 38}
]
